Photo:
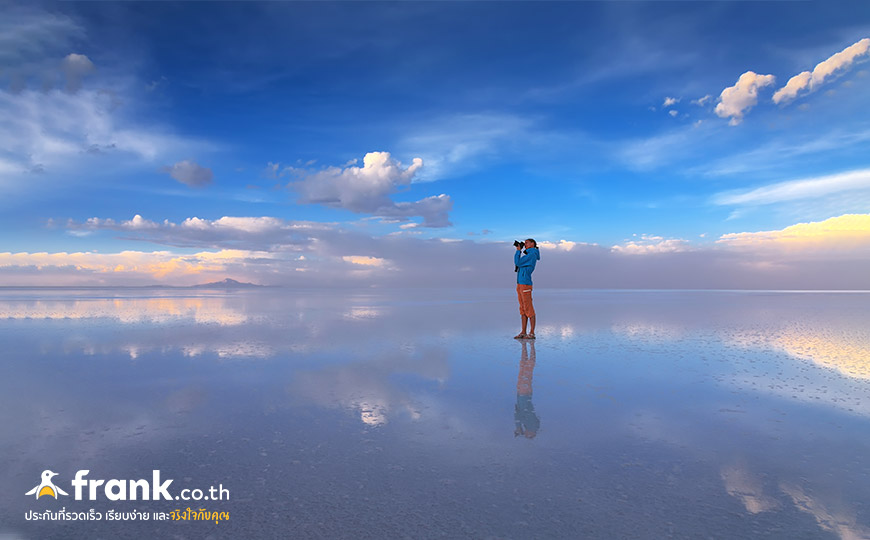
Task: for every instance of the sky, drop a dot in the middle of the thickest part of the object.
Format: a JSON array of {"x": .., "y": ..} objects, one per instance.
[{"x": 368, "y": 144}]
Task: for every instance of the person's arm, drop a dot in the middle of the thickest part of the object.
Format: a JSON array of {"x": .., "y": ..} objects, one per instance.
[{"x": 524, "y": 260}]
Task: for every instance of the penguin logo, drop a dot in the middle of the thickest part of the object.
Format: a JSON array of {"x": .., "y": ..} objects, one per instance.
[{"x": 46, "y": 487}]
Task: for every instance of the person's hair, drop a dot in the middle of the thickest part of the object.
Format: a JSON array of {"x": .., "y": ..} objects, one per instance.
[{"x": 532, "y": 240}]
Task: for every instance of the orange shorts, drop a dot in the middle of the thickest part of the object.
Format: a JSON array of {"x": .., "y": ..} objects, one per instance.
[{"x": 524, "y": 295}]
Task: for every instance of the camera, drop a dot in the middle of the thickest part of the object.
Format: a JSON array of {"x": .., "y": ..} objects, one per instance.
[{"x": 518, "y": 244}]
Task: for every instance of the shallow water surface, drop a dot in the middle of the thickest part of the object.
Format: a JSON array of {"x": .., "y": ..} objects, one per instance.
[{"x": 348, "y": 414}]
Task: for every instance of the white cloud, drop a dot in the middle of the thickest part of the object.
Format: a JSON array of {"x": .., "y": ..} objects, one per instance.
[
  {"x": 811, "y": 81},
  {"x": 54, "y": 124},
  {"x": 360, "y": 189},
  {"x": 659, "y": 150},
  {"x": 139, "y": 223},
  {"x": 459, "y": 143},
  {"x": 670, "y": 101},
  {"x": 75, "y": 67},
  {"x": 272, "y": 170},
  {"x": 792, "y": 87},
  {"x": 274, "y": 251},
  {"x": 365, "y": 261},
  {"x": 849, "y": 233},
  {"x": 434, "y": 210},
  {"x": 563, "y": 245},
  {"x": 652, "y": 152},
  {"x": 257, "y": 233},
  {"x": 135, "y": 265},
  {"x": 702, "y": 101},
  {"x": 652, "y": 244},
  {"x": 94, "y": 223},
  {"x": 673, "y": 113},
  {"x": 252, "y": 225},
  {"x": 367, "y": 189},
  {"x": 737, "y": 100},
  {"x": 32, "y": 43},
  {"x": 797, "y": 189},
  {"x": 190, "y": 173},
  {"x": 780, "y": 153},
  {"x": 62, "y": 133}
]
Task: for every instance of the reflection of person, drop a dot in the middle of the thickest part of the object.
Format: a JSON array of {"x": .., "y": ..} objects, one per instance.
[
  {"x": 527, "y": 422},
  {"x": 525, "y": 265}
]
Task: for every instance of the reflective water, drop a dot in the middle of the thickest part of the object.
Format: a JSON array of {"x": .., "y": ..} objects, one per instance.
[{"x": 635, "y": 414}]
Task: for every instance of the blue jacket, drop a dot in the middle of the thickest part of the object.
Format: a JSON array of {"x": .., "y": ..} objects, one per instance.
[{"x": 526, "y": 264}]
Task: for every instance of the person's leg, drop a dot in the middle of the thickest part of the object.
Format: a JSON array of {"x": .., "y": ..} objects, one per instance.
[
  {"x": 530, "y": 308},
  {"x": 523, "y": 316},
  {"x": 522, "y": 333}
]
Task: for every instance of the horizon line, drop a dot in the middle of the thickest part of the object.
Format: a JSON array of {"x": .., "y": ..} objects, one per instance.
[{"x": 370, "y": 288}]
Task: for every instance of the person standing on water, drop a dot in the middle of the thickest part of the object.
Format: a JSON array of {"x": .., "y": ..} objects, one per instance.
[{"x": 525, "y": 265}]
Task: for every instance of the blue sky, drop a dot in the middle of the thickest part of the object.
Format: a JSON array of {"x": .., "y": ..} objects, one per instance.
[{"x": 641, "y": 133}]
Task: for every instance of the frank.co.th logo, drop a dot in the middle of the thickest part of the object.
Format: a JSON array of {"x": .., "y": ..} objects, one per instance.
[
  {"x": 47, "y": 487},
  {"x": 114, "y": 489}
]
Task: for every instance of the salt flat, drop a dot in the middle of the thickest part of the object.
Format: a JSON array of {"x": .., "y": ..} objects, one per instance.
[{"x": 394, "y": 414}]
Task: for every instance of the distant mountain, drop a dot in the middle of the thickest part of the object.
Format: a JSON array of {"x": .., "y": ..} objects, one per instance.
[{"x": 225, "y": 284}]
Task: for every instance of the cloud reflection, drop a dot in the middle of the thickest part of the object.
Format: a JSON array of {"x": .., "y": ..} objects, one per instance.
[
  {"x": 848, "y": 353},
  {"x": 368, "y": 388},
  {"x": 841, "y": 521},
  {"x": 741, "y": 484},
  {"x": 160, "y": 310},
  {"x": 830, "y": 516}
]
